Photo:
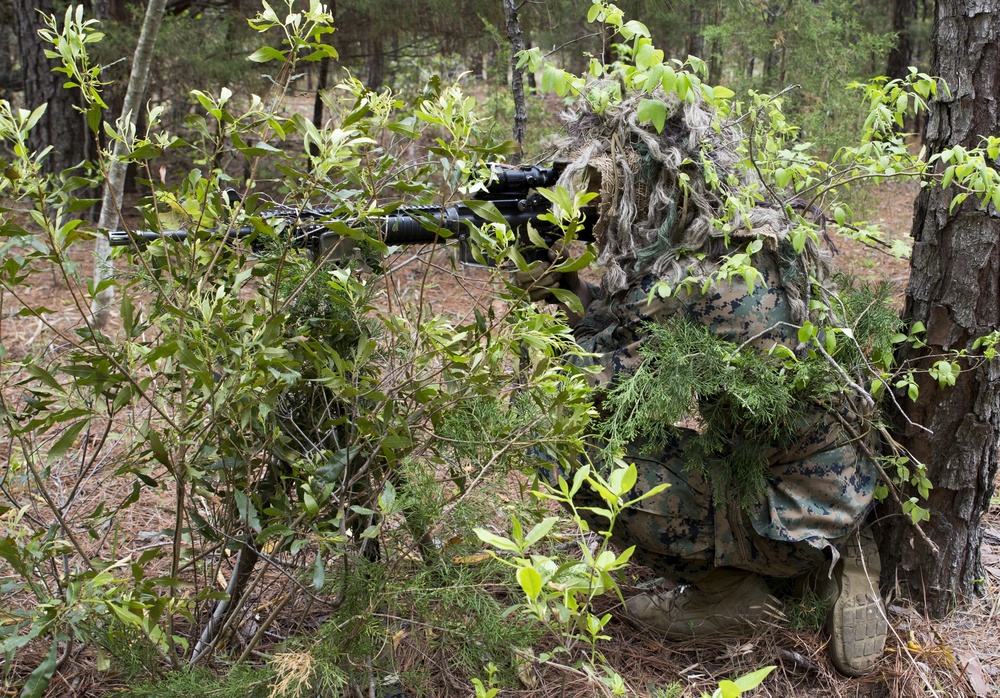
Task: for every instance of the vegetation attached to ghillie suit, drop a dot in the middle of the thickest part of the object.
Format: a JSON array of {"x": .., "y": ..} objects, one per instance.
[{"x": 683, "y": 206}]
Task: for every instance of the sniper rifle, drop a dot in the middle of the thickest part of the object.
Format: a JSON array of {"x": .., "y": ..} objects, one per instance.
[{"x": 511, "y": 192}]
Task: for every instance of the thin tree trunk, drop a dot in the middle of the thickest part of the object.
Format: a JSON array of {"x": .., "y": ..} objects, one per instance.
[
  {"x": 321, "y": 80},
  {"x": 904, "y": 13},
  {"x": 375, "y": 63},
  {"x": 324, "y": 71},
  {"x": 954, "y": 290},
  {"x": 695, "y": 40},
  {"x": 115, "y": 183},
  {"x": 715, "y": 50},
  {"x": 516, "y": 38}
]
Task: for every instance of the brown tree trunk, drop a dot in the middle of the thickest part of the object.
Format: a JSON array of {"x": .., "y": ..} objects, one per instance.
[
  {"x": 321, "y": 79},
  {"x": 904, "y": 13},
  {"x": 62, "y": 127},
  {"x": 714, "y": 57},
  {"x": 513, "y": 24},
  {"x": 109, "y": 9},
  {"x": 376, "y": 64},
  {"x": 695, "y": 39},
  {"x": 955, "y": 291}
]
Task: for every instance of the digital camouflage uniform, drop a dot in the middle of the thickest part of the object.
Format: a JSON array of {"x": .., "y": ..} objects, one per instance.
[{"x": 819, "y": 489}]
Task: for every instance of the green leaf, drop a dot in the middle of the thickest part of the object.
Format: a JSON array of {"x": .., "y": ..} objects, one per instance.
[
  {"x": 76, "y": 205},
  {"x": 156, "y": 446},
  {"x": 530, "y": 581},
  {"x": 539, "y": 531},
  {"x": 265, "y": 54},
  {"x": 44, "y": 376},
  {"x": 647, "y": 56},
  {"x": 752, "y": 680},
  {"x": 65, "y": 441},
  {"x": 578, "y": 479},
  {"x": 727, "y": 689},
  {"x": 623, "y": 479},
  {"x": 371, "y": 532},
  {"x": 247, "y": 511},
  {"x": 552, "y": 78},
  {"x": 633, "y": 28},
  {"x": 783, "y": 176},
  {"x": 39, "y": 680},
  {"x": 575, "y": 263},
  {"x": 806, "y": 332},
  {"x": 486, "y": 210},
  {"x": 309, "y": 503},
  {"x": 495, "y": 540},
  {"x": 830, "y": 341},
  {"x": 387, "y": 498},
  {"x": 10, "y": 552},
  {"x": 653, "y": 110},
  {"x": 569, "y": 299},
  {"x": 517, "y": 533},
  {"x": 319, "y": 572},
  {"x": 949, "y": 174}
]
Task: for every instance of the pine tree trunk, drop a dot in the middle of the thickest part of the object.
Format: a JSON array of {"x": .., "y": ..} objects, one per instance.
[
  {"x": 954, "y": 290},
  {"x": 114, "y": 185},
  {"x": 904, "y": 13},
  {"x": 695, "y": 39},
  {"x": 62, "y": 127},
  {"x": 375, "y": 64}
]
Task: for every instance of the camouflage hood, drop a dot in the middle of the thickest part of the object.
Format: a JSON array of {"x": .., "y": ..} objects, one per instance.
[{"x": 656, "y": 207}]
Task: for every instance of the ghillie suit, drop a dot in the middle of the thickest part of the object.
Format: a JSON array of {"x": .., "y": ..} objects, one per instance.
[
  {"x": 770, "y": 484},
  {"x": 655, "y": 204}
]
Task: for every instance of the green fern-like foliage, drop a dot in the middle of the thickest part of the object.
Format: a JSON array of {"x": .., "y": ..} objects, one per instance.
[
  {"x": 875, "y": 323},
  {"x": 745, "y": 403}
]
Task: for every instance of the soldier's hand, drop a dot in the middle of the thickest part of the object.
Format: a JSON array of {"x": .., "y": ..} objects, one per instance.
[{"x": 540, "y": 280}]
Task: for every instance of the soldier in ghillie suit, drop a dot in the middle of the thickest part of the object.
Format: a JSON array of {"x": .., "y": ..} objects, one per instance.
[{"x": 658, "y": 228}]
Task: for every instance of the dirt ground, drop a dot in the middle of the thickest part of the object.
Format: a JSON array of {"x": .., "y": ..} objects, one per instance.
[{"x": 958, "y": 656}]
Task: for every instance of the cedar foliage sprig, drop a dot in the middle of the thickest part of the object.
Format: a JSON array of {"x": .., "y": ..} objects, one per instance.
[{"x": 747, "y": 404}]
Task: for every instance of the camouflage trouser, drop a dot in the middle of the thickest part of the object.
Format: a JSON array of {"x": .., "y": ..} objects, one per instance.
[{"x": 684, "y": 533}]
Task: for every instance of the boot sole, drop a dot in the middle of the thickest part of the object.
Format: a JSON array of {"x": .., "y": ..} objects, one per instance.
[{"x": 857, "y": 623}]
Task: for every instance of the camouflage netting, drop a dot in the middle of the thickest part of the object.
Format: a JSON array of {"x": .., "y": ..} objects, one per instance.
[{"x": 651, "y": 222}]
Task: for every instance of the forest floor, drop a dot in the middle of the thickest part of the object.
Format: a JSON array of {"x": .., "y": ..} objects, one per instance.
[{"x": 957, "y": 656}]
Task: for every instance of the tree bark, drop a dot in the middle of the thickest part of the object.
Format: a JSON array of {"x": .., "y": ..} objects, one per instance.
[
  {"x": 695, "y": 39},
  {"x": 114, "y": 185},
  {"x": 514, "y": 34},
  {"x": 904, "y": 13},
  {"x": 62, "y": 127},
  {"x": 954, "y": 290},
  {"x": 376, "y": 63}
]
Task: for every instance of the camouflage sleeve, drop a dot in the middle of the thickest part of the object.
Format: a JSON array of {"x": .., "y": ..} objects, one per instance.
[{"x": 612, "y": 330}]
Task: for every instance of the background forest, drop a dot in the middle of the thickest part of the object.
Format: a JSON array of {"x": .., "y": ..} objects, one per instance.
[
  {"x": 759, "y": 45},
  {"x": 270, "y": 477}
]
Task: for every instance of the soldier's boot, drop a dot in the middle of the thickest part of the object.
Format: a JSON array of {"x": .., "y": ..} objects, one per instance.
[
  {"x": 724, "y": 600},
  {"x": 856, "y": 622}
]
